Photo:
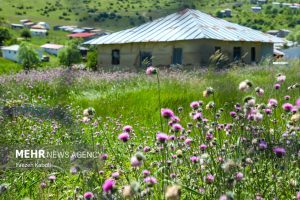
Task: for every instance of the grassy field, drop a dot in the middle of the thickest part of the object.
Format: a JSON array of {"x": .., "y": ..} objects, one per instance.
[
  {"x": 116, "y": 15},
  {"x": 8, "y": 67},
  {"x": 247, "y": 154}
]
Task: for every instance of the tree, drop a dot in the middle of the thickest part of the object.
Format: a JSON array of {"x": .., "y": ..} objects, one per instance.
[
  {"x": 26, "y": 34},
  {"x": 92, "y": 60},
  {"x": 4, "y": 35},
  {"x": 28, "y": 56},
  {"x": 69, "y": 55}
]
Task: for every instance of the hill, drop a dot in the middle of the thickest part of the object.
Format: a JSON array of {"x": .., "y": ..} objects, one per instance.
[{"x": 119, "y": 14}]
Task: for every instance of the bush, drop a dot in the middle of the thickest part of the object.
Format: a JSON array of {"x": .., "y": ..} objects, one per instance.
[
  {"x": 92, "y": 60},
  {"x": 25, "y": 34},
  {"x": 4, "y": 35},
  {"x": 219, "y": 60}
]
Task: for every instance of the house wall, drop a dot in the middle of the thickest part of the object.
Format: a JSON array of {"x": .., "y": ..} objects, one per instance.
[
  {"x": 41, "y": 34},
  {"x": 52, "y": 51},
  {"x": 10, "y": 55},
  {"x": 195, "y": 52}
]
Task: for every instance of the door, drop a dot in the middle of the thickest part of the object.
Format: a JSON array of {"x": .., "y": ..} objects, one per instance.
[
  {"x": 177, "y": 56},
  {"x": 237, "y": 53},
  {"x": 145, "y": 59},
  {"x": 253, "y": 54}
]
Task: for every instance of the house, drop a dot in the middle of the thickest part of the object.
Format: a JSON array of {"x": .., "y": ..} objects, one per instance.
[
  {"x": 273, "y": 32},
  {"x": 23, "y": 21},
  {"x": 28, "y": 24},
  {"x": 10, "y": 52},
  {"x": 44, "y": 24},
  {"x": 39, "y": 32},
  {"x": 256, "y": 9},
  {"x": 261, "y": 2},
  {"x": 79, "y": 30},
  {"x": 37, "y": 26},
  {"x": 16, "y": 26},
  {"x": 188, "y": 37},
  {"x": 88, "y": 29},
  {"x": 52, "y": 48},
  {"x": 84, "y": 36},
  {"x": 277, "y": 4},
  {"x": 283, "y": 33}
]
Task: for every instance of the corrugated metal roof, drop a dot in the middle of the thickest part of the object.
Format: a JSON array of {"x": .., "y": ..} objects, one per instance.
[
  {"x": 14, "y": 47},
  {"x": 188, "y": 24},
  {"x": 52, "y": 46}
]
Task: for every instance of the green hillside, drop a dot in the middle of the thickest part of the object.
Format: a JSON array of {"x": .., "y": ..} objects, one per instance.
[{"x": 119, "y": 14}]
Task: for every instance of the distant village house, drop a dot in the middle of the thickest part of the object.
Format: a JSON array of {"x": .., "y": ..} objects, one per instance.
[
  {"x": 84, "y": 36},
  {"x": 10, "y": 52},
  {"x": 52, "y": 48},
  {"x": 39, "y": 32}
]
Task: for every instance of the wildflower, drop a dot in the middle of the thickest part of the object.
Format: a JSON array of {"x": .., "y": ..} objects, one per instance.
[
  {"x": 89, "y": 112},
  {"x": 115, "y": 175},
  {"x": 298, "y": 102},
  {"x": 287, "y": 97},
  {"x": 268, "y": 111},
  {"x": 161, "y": 137},
  {"x": 188, "y": 141},
  {"x": 135, "y": 162},
  {"x": 146, "y": 172},
  {"x": 85, "y": 119},
  {"x": 194, "y": 159},
  {"x": 124, "y": 136},
  {"x": 245, "y": 85},
  {"x": 210, "y": 105},
  {"x": 203, "y": 147},
  {"x": 127, "y": 192},
  {"x": 43, "y": 185},
  {"x": 151, "y": 70},
  {"x": 295, "y": 117},
  {"x": 279, "y": 151},
  {"x": 272, "y": 103},
  {"x": 173, "y": 192},
  {"x": 209, "y": 178},
  {"x": 177, "y": 127},
  {"x": 108, "y": 185},
  {"x": 298, "y": 195},
  {"x": 197, "y": 116},
  {"x": 150, "y": 180},
  {"x": 232, "y": 114},
  {"x": 172, "y": 137},
  {"x": 127, "y": 128},
  {"x": 195, "y": 105},
  {"x": 208, "y": 92},
  {"x": 104, "y": 156},
  {"x": 147, "y": 149},
  {"x": 281, "y": 78},
  {"x": 88, "y": 195},
  {"x": 262, "y": 145},
  {"x": 277, "y": 86},
  {"x": 287, "y": 107},
  {"x": 52, "y": 178},
  {"x": 167, "y": 113},
  {"x": 179, "y": 153},
  {"x": 229, "y": 166},
  {"x": 239, "y": 176},
  {"x": 209, "y": 136},
  {"x": 259, "y": 91}
]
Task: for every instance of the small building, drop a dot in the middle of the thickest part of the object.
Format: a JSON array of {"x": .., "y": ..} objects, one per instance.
[
  {"x": 286, "y": 4},
  {"x": 10, "y": 52},
  {"x": 16, "y": 26},
  {"x": 283, "y": 33},
  {"x": 253, "y": 1},
  {"x": 188, "y": 37},
  {"x": 38, "y": 32},
  {"x": 44, "y": 24},
  {"x": 256, "y": 9},
  {"x": 52, "y": 48},
  {"x": 261, "y": 2},
  {"x": 277, "y": 4},
  {"x": 84, "y": 36},
  {"x": 88, "y": 29},
  {"x": 79, "y": 30},
  {"x": 23, "y": 21},
  {"x": 29, "y": 24},
  {"x": 37, "y": 26},
  {"x": 273, "y": 32}
]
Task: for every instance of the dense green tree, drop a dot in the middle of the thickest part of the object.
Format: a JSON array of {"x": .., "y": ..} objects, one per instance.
[
  {"x": 28, "y": 56},
  {"x": 92, "y": 60},
  {"x": 26, "y": 34},
  {"x": 69, "y": 55},
  {"x": 4, "y": 35}
]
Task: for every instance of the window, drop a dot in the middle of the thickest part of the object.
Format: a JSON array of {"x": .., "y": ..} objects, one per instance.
[
  {"x": 145, "y": 59},
  {"x": 217, "y": 49},
  {"x": 115, "y": 57},
  {"x": 177, "y": 56},
  {"x": 237, "y": 53},
  {"x": 253, "y": 54}
]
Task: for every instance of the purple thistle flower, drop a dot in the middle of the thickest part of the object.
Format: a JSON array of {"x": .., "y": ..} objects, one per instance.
[
  {"x": 277, "y": 86},
  {"x": 194, "y": 159},
  {"x": 272, "y": 102},
  {"x": 52, "y": 178},
  {"x": 127, "y": 128},
  {"x": 268, "y": 111},
  {"x": 146, "y": 172},
  {"x": 177, "y": 127},
  {"x": 210, "y": 178},
  {"x": 188, "y": 141},
  {"x": 88, "y": 195},
  {"x": 279, "y": 151},
  {"x": 150, "y": 180},
  {"x": 104, "y": 156},
  {"x": 298, "y": 195},
  {"x": 147, "y": 149},
  {"x": 197, "y": 116},
  {"x": 115, "y": 175},
  {"x": 151, "y": 70},
  {"x": 195, "y": 105},
  {"x": 135, "y": 162},
  {"x": 162, "y": 137},
  {"x": 287, "y": 107},
  {"x": 43, "y": 185},
  {"x": 233, "y": 114},
  {"x": 239, "y": 176},
  {"x": 287, "y": 97},
  {"x": 172, "y": 137},
  {"x": 298, "y": 102},
  {"x": 203, "y": 147},
  {"x": 124, "y": 136},
  {"x": 108, "y": 185},
  {"x": 167, "y": 113},
  {"x": 262, "y": 145}
]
